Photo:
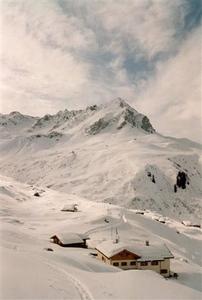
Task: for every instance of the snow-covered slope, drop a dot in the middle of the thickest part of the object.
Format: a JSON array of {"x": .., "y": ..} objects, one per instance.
[
  {"x": 28, "y": 271},
  {"x": 15, "y": 123},
  {"x": 108, "y": 153}
]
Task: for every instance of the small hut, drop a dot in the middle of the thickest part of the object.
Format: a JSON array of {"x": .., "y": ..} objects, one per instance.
[
  {"x": 70, "y": 208},
  {"x": 70, "y": 240},
  {"x": 191, "y": 224}
]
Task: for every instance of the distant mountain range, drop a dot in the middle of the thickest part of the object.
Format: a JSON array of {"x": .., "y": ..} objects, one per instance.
[{"x": 108, "y": 153}]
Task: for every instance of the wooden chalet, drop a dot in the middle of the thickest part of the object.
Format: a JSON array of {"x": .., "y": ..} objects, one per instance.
[
  {"x": 136, "y": 256},
  {"x": 70, "y": 240}
]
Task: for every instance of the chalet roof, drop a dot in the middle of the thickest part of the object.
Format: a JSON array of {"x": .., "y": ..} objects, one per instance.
[
  {"x": 146, "y": 253},
  {"x": 71, "y": 238}
]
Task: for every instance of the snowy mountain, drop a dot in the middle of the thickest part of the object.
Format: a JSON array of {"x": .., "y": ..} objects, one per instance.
[
  {"x": 123, "y": 176},
  {"x": 109, "y": 153},
  {"x": 14, "y": 123}
]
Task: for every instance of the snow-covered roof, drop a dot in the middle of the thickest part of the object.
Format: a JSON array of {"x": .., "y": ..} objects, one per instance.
[
  {"x": 187, "y": 223},
  {"x": 70, "y": 207},
  {"x": 71, "y": 238},
  {"x": 146, "y": 253}
]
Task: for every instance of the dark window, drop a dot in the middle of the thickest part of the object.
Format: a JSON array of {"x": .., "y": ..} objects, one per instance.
[
  {"x": 154, "y": 263},
  {"x": 143, "y": 263},
  {"x": 124, "y": 263},
  {"x": 103, "y": 258},
  {"x": 116, "y": 264},
  {"x": 164, "y": 271},
  {"x": 133, "y": 263}
]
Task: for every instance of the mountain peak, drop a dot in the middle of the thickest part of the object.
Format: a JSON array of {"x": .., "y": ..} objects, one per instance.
[
  {"x": 116, "y": 115},
  {"x": 15, "y": 114},
  {"x": 120, "y": 102},
  {"x": 19, "y": 116},
  {"x": 117, "y": 103}
]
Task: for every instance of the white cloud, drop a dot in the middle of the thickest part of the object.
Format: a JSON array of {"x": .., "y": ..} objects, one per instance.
[
  {"x": 57, "y": 56},
  {"x": 147, "y": 26},
  {"x": 32, "y": 68},
  {"x": 173, "y": 97}
]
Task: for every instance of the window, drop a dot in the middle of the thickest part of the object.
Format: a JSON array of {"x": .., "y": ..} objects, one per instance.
[
  {"x": 154, "y": 263},
  {"x": 143, "y": 263},
  {"x": 164, "y": 271},
  {"x": 124, "y": 263},
  {"x": 103, "y": 258},
  {"x": 133, "y": 263},
  {"x": 116, "y": 264}
]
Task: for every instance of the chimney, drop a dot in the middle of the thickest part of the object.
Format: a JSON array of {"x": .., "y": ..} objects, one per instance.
[{"x": 147, "y": 243}]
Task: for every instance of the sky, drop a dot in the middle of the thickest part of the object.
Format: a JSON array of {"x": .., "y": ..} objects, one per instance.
[{"x": 58, "y": 54}]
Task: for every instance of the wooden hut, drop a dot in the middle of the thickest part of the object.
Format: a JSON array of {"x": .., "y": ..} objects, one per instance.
[{"x": 70, "y": 239}]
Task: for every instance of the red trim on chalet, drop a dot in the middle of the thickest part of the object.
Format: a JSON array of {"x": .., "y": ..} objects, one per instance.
[
  {"x": 125, "y": 255},
  {"x": 122, "y": 255}
]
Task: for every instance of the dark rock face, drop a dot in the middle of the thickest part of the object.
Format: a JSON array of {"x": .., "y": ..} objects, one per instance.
[
  {"x": 54, "y": 134},
  {"x": 50, "y": 135},
  {"x": 146, "y": 125},
  {"x": 127, "y": 117},
  {"x": 36, "y": 194},
  {"x": 130, "y": 117},
  {"x": 98, "y": 126},
  {"x": 181, "y": 180},
  {"x": 47, "y": 117},
  {"x": 93, "y": 107},
  {"x": 153, "y": 179}
]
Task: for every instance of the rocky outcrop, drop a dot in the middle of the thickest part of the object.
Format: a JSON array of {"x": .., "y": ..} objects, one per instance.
[
  {"x": 135, "y": 119},
  {"x": 182, "y": 180},
  {"x": 146, "y": 125},
  {"x": 98, "y": 126}
]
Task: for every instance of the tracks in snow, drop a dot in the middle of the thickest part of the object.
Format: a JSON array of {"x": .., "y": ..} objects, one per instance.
[
  {"x": 82, "y": 290},
  {"x": 108, "y": 226}
]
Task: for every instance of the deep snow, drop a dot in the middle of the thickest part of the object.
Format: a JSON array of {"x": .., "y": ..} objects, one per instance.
[
  {"x": 112, "y": 163},
  {"x": 28, "y": 271}
]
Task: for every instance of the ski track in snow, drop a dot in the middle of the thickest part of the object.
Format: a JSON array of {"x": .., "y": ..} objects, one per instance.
[
  {"x": 103, "y": 227},
  {"x": 119, "y": 222},
  {"x": 39, "y": 212},
  {"x": 82, "y": 290}
]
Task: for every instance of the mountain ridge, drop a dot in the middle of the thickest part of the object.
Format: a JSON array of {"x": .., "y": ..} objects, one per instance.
[
  {"x": 107, "y": 153},
  {"x": 117, "y": 111}
]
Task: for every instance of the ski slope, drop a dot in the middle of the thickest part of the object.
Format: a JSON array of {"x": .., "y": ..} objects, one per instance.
[{"x": 28, "y": 271}]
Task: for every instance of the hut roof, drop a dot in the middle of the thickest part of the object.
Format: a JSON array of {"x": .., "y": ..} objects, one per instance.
[
  {"x": 71, "y": 238},
  {"x": 69, "y": 207},
  {"x": 146, "y": 253}
]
